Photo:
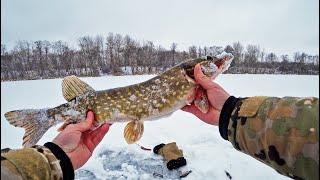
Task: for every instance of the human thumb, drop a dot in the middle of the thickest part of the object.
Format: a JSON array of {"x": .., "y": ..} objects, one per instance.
[
  {"x": 202, "y": 79},
  {"x": 85, "y": 125}
]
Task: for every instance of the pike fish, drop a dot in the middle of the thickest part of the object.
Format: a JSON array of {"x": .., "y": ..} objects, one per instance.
[{"x": 149, "y": 100}]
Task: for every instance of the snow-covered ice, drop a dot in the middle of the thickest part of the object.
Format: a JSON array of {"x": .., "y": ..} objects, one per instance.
[{"x": 207, "y": 154}]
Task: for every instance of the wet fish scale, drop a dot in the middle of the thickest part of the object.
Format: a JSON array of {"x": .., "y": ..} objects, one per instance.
[{"x": 140, "y": 101}]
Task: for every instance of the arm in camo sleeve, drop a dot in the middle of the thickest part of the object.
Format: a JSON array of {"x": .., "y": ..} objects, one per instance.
[
  {"x": 37, "y": 162},
  {"x": 280, "y": 132}
]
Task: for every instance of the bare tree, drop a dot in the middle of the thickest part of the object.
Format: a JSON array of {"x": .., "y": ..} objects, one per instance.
[
  {"x": 205, "y": 51},
  {"x": 284, "y": 58},
  {"x": 316, "y": 60},
  {"x": 193, "y": 51},
  {"x": 229, "y": 49},
  {"x": 149, "y": 55},
  {"x": 262, "y": 55},
  {"x": 238, "y": 52},
  {"x": 252, "y": 54},
  {"x": 3, "y": 49},
  {"x": 173, "y": 48},
  {"x": 271, "y": 57},
  {"x": 110, "y": 52},
  {"x": 215, "y": 50},
  {"x": 200, "y": 52},
  {"x": 297, "y": 57},
  {"x": 118, "y": 50},
  {"x": 99, "y": 50}
]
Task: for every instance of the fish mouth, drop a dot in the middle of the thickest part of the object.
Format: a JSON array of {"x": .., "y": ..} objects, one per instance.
[{"x": 223, "y": 59}]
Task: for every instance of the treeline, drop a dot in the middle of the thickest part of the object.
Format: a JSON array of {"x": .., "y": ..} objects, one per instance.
[{"x": 119, "y": 55}]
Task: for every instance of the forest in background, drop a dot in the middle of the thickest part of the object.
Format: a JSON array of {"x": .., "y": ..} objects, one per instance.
[{"x": 123, "y": 55}]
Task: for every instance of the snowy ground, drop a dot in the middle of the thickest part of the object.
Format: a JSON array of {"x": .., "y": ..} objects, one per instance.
[{"x": 207, "y": 154}]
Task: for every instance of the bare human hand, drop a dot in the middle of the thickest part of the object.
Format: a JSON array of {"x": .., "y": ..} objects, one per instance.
[
  {"x": 216, "y": 95},
  {"x": 78, "y": 141}
]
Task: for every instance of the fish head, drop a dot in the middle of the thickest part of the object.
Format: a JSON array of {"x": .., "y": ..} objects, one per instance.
[
  {"x": 211, "y": 66},
  {"x": 216, "y": 65}
]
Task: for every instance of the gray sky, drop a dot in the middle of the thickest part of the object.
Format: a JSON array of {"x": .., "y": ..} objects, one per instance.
[{"x": 281, "y": 26}]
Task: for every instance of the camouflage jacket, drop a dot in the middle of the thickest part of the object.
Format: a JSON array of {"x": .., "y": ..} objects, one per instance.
[
  {"x": 38, "y": 162},
  {"x": 280, "y": 132}
]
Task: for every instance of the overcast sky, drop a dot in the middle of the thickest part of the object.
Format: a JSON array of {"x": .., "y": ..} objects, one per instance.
[{"x": 281, "y": 26}]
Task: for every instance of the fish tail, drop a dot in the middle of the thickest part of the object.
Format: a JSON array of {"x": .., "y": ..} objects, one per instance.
[{"x": 34, "y": 121}]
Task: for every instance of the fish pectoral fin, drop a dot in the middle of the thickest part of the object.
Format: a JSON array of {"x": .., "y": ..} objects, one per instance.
[
  {"x": 133, "y": 131},
  {"x": 72, "y": 87},
  {"x": 201, "y": 100}
]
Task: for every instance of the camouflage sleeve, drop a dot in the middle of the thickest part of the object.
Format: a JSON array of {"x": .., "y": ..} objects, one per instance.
[
  {"x": 280, "y": 132},
  {"x": 37, "y": 162}
]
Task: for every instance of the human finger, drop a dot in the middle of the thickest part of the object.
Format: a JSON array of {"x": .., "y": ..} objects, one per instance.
[
  {"x": 85, "y": 125},
  {"x": 202, "y": 79},
  {"x": 193, "y": 110}
]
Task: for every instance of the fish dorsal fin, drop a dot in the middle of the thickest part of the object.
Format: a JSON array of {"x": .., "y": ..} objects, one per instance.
[{"x": 72, "y": 87}]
